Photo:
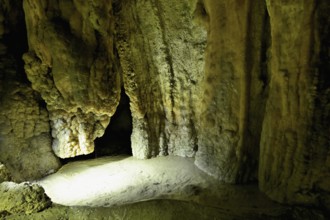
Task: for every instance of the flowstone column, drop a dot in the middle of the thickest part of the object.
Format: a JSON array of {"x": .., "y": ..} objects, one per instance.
[
  {"x": 25, "y": 142},
  {"x": 71, "y": 63},
  {"x": 294, "y": 157},
  {"x": 223, "y": 110},
  {"x": 161, "y": 52}
]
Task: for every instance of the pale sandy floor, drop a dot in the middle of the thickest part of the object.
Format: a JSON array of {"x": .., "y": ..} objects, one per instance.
[
  {"x": 118, "y": 180},
  {"x": 113, "y": 181}
]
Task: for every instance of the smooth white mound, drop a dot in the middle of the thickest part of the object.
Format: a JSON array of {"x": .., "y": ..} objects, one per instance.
[{"x": 119, "y": 180}]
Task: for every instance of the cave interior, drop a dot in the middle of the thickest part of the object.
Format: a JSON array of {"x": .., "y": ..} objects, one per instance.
[{"x": 197, "y": 109}]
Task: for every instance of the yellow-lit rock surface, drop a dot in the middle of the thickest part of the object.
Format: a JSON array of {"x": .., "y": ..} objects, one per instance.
[
  {"x": 241, "y": 88},
  {"x": 71, "y": 64},
  {"x": 118, "y": 181},
  {"x": 25, "y": 141},
  {"x": 161, "y": 52},
  {"x": 224, "y": 102},
  {"x": 294, "y": 149},
  {"x": 22, "y": 198}
]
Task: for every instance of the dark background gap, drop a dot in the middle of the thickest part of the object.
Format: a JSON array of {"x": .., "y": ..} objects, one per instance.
[{"x": 117, "y": 136}]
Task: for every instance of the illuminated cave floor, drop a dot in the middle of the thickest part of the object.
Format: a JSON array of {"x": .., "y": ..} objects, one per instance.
[{"x": 113, "y": 181}]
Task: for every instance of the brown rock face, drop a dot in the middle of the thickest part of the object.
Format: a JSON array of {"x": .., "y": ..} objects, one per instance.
[
  {"x": 294, "y": 158},
  {"x": 71, "y": 64},
  {"x": 4, "y": 173},
  {"x": 234, "y": 89},
  {"x": 161, "y": 53},
  {"x": 22, "y": 198},
  {"x": 224, "y": 110},
  {"x": 241, "y": 86},
  {"x": 25, "y": 142}
]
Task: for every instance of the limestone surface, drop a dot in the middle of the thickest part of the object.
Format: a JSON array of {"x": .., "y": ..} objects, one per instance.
[
  {"x": 114, "y": 181},
  {"x": 294, "y": 156},
  {"x": 71, "y": 63},
  {"x": 240, "y": 87},
  {"x": 223, "y": 109},
  {"x": 25, "y": 142},
  {"x": 22, "y": 198},
  {"x": 25, "y": 135},
  {"x": 161, "y": 52},
  {"x": 4, "y": 173}
]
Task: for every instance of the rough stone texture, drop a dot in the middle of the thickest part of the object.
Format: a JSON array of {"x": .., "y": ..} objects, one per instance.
[
  {"x": 223, "y": 113},
  {"x": 150, "y": 210},
  {"x": 294, "y": 159},
  {"x": 71, "y": 63},
  {"x": 234, "y": 89},
  {"x": 161, "y": 53},
  {"x": 25, "y": 142},
  {"x": 168, "y": 210},
  {"x": 219, "y": 80},
  {"x": 22, "y": 198},
  {"x": 25, "y": 138},
  {"x": 4, "y": 173}
]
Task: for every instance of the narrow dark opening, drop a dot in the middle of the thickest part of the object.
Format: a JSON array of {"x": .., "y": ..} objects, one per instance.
[
  {"x": 117, "y": 137},
  {"x": 16, "y": 42}
]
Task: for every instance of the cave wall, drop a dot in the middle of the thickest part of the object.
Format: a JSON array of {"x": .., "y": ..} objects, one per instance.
[
  {"x": 71, "y": 63},
  {"x": 260, "y": 104},
  {"x": 161, "y": 53},
  {"x": 25, "y": 141},
  {"x": 233, "y": 90},
  {"x": 294, "y": 148},
  {"x": 242, "y": 86}
]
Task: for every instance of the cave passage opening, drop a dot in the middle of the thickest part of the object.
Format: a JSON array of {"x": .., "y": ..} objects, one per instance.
[
  {"x": 117, "y": 136},
  {"x": 116, "y": 139}
]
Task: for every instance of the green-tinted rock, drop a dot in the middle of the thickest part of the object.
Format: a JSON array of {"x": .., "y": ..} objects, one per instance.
[{"x": 22, "y": 198}]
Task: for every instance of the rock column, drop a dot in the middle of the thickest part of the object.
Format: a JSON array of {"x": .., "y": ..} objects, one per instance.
[
  {"x": 71, "y": 62},
  {"x": 294, "y": 158}
]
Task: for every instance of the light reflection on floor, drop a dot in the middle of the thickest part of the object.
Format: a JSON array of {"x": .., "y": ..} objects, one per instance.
[{"x": 118, "y": 180}]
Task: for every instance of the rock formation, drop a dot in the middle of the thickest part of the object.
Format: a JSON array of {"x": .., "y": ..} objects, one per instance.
[
  {"x": 25, "y": 142},
  {"x": 241, "y": 86},
  {"x": 4, "y": 173},
  {"x": 71, "y": 63},
  {"x": 294, "y": 148},
  {"x": 161, "y": 53},
  {"x": 232, "y": 85},
  {"x": 22, "y": 198}
]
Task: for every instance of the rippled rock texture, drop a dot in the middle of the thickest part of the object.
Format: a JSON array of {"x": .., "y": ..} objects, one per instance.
[
  {"x": 71, "y": 64},
  {"x": 294, "y": 148},
  {"x": 25, "y": 141},
  {"x": 240, "y": 86},
  {"x": 161, "y": 53}
]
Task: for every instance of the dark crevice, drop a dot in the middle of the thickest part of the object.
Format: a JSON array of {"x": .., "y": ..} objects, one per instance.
[
  {"x": 323, "y": 20},
  {"x": 62, "y": 24},
  {"x": 257, "y": 72},
  {"x": 117, "y": 137},
  {"x": 265, "y": 46},
  {"x": 16, "y": 40}
]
